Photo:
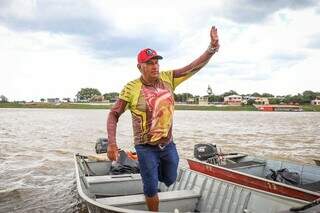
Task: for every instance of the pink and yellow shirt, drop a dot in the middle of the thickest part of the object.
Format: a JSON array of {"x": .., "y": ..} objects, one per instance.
[{"x": 152, "y": 107}]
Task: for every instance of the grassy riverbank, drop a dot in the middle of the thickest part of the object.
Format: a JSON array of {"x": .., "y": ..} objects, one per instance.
[
  {"x": 55, "y": 106},
  {"x": 306, "y": 108},
  {"x": 215, "y": 108},
  {"x": 108, "y": 106}
]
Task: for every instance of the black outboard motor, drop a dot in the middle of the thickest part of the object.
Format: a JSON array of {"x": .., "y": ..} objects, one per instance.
[
  {"x": 101, "y": 145},
  {"x": 204, "y": 151}
]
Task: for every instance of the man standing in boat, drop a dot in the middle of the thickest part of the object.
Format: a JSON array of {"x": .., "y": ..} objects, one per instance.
[{"x": 151, "y": 102}]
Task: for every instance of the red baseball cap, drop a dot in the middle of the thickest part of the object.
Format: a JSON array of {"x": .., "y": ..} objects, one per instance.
[{"x": 147, "y": 54}]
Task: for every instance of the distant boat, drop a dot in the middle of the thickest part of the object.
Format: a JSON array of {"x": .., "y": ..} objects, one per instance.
[
  {"x": 192, "y": 192},
  {"x": 251, "y": 171},
  {"x": 279, "y": 108}
]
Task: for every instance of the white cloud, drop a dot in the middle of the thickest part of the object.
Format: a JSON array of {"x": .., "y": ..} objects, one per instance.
[
  {"x": 54, "y": 58},
  {"x": 37, "y": 65},
  {"x": 18, "y": 8}
]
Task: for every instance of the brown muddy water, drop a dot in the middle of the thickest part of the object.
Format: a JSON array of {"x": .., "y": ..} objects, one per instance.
[{"x": 37, "y": 147}]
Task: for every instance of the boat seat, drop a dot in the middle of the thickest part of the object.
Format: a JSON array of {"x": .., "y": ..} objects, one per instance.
[
  {"x": 183, "y": 200},
  {"x": 114, "y": 185},
  {"x": 244, "y": 164},
  {"x": 312, "y": 186},
  {"x": 112, "y": 178}
]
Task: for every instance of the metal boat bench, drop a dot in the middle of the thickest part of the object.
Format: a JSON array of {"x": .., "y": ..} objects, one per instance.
[
  {"x": 109, "y": 185},
  {"x": 185, "y": 199}
]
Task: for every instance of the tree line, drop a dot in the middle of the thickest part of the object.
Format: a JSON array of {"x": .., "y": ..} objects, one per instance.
[
  {"x": 93, "y": 94},
  {"x": 88, "y": 94},
  {"x": 3, "y": 99},
  {"x": 301, "y": 98}
]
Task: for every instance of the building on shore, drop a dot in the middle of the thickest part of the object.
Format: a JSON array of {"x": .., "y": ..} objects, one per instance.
[
  {"x": 190, "y": 100},
  {"x": 203, "y": 100},
  {"x": 262, "y": 100},
  {"x": 53, "y": 100},
  {"x": 316, "y": 101},
  {"x": 257, "y": 100},
  {"x": 97, "y": 98},
  {"x": 233, "y": 100},
  {"x": 66, "y": 100}
]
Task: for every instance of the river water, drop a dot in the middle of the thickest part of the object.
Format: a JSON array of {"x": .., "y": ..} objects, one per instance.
[{"x": 37, "y": 147}]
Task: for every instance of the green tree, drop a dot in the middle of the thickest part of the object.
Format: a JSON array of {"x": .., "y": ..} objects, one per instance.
[
  {"x": 256, "y": 94},
  {"x": 297, "y": 99},
  {"x": 175, "y": 96},
  {"x": 267, "y": 95},
  {"x": 250, "y": 102},
  {"x": 211, "y": 98},
  {"x": 231, "y": 92},
  {"x": 86, "y": 94},
  {"x": 3, "y": 99},
  {"x": 274, "y": 101},
  {"x": 182, "y": 97},
  {"x": 112, "y": 96},
  {"x": 215, "y": 98},
  {"x": 309, "y": 95},
  {"x": 287, "y": 99}
]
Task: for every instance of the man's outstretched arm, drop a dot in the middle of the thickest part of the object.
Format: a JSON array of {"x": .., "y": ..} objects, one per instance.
[
  {"x": 200, "y": 62},
  {"x": 114, "y": 114}
]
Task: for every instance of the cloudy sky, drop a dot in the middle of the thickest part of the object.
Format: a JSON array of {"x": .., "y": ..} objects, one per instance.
[{"x": 52, "y": 48}]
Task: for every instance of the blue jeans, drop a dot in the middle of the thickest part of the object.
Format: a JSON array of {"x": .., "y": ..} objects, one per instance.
[{"x": 157, "y": 165}]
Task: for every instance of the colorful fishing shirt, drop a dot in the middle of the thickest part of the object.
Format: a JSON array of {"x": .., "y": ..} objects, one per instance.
[{"x": 152, "y": 107}]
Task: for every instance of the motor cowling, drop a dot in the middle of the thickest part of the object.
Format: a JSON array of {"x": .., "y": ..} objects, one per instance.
[
  {"x": 204, "y": 151},
  {"x": 101, "y": 145}
]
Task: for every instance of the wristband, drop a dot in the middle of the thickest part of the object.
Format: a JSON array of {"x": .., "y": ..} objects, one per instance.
[{"x": 212, "y": 49}]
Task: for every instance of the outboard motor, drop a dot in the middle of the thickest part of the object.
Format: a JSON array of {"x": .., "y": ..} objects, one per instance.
[
  {"x": 204, "y": 151},
  {"x": 101, "y": 145}
]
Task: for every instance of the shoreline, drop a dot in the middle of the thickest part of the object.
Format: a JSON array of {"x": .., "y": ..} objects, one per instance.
[{"x": 306, "y": 108}]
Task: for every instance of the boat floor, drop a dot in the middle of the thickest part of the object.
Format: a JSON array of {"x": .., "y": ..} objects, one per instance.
[
  {"x": 186, "y": 200},
  {"x": 312, "y": 186},
  {"x": 315, "y": 186}
]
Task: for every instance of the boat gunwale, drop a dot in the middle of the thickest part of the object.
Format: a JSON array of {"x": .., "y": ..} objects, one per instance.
[
  {"x": 92, "y": 201},
  {"x": 256, "y": 177}
]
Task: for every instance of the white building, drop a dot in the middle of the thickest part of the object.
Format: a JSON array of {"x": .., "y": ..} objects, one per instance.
[
  {"x": 233, "y": 100},
  {"x": 261, "y": 100},
  {"x": 315, "y": 102},
  {"x": 190, "y": 101},
  {"x": 53, "y": 100},
  {"x": 203, "y": 100},
  {"x": 66, "y": 100}
]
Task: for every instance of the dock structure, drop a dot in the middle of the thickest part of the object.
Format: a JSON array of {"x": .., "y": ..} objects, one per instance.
[{"x": 281, "y": 108}]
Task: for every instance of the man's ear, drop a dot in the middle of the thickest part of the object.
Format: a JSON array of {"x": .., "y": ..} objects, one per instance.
[{"x": 139, "y": 67}]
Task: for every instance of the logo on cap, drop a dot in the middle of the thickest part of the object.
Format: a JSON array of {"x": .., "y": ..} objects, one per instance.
[
  {"x": 147, "y": 54},
  {"x": 150, "y": 52}
]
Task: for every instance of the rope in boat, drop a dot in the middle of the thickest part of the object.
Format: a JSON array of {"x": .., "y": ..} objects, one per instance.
[{"x": 307, "y": 206}]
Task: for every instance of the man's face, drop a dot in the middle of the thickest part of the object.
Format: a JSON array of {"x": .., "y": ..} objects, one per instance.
[{"x": 150, "y": 69}]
